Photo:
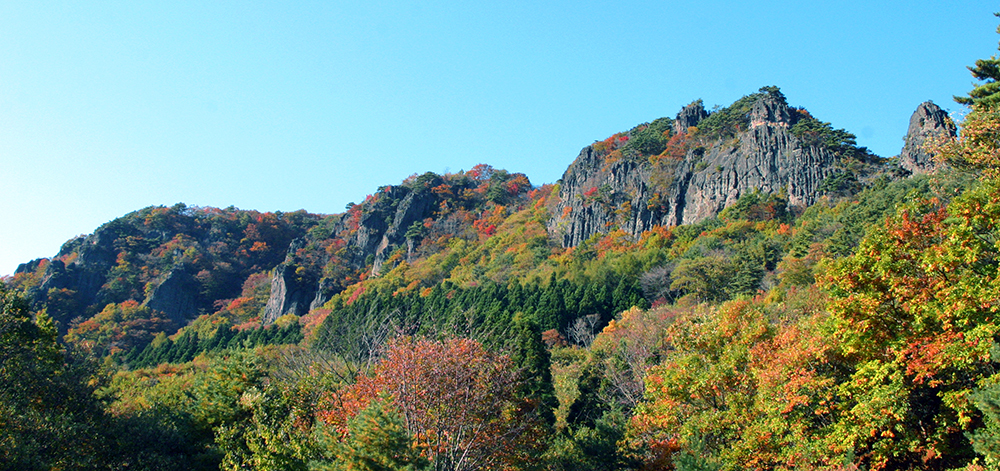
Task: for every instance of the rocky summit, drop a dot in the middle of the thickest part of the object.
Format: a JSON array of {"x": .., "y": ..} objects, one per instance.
[
  {"x": 928, "y": 122},
  {"x": 766, "y": 152},
  {"x": 669, "y": 172}
]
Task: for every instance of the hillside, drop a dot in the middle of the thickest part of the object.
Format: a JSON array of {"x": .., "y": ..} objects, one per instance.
[
  {"x": 741, "y": 288},
  {"x": 183, "y": 262}
]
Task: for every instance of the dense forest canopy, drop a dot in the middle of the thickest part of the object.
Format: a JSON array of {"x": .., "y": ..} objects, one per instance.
[{"x": 441, "y": 324}]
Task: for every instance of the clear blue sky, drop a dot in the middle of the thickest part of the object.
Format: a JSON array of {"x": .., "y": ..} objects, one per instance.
[{"x": 108, "y": 107}]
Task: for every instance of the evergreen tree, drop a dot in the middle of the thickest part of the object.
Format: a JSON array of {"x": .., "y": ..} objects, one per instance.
[
  {"x": 988, "y": 71},
  {"x": 377, "y": 441},
  {"x": 534, "y": 369},
  {"x": 589, "y": 407}
]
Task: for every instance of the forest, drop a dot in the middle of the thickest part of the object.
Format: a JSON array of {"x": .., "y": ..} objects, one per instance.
[{"x": 857, "y": 332}]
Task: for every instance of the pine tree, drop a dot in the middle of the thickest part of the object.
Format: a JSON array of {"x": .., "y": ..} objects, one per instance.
[{"x": 988, "y": 93}]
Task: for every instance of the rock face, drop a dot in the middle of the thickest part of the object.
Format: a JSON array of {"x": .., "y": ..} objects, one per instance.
[
  {"x": 767, "y": 158},
  {"x": 689, "y": 116},
  {"x": 412, "y": 208},
  {"x": 84, "y": 276},
  {"x": 176, "y": 296},
  {"x": 297, "y": 287},
  {"x": 636, "y": 194},
  {"x": 290, "y": 294},
  {"x": 926, "y": 123}
]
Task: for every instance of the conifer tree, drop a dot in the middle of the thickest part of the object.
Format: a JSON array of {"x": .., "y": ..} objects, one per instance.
[
  {"x": 988, "y": 71},
  {"x": 377, "y": 441},
  {"x": 534, "y": 368}
]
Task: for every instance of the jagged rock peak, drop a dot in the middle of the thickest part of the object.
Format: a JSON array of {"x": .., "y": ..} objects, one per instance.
[
  {"x": 771, "y": 109},
  {"x": 926, "y": 123},
  {"x": 634, "y": 195},
  {"x": 689, "y": 116}
]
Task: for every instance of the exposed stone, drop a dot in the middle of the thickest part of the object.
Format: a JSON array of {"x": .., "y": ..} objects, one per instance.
[
  {"x": 635, "y": 195},
  {"x": 927, "y": 122},
  {"x": 689, "y": 116},
  {"x": 325, "y": 290},
  {"x": 296, "y": 289},
  {"x": 290, "y": 294},
  {"x": 86, "y": 274},
  {"x": 176, "y": 297},
  {"x": 29, "y": 267},
  {"x": 414, "y": 207}
]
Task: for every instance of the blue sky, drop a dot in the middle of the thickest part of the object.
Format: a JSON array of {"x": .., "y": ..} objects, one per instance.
[{"x": 108, "y": 107}]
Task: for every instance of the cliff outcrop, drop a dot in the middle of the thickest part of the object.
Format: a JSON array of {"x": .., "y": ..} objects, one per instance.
[
  {"x": 699, "y": 174},
  {"x": 383, "y": 231},
  {"x": 178, "y": 261},
  {"x": 176, "y": 296},
  {"x": 186, "y": 261},
  {"x": 928, "y": 122}
]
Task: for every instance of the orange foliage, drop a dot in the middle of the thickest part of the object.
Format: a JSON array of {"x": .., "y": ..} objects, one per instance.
[
  {"x": 616, "y": 241},
  {"x": 457, "y": 399},
  {"x": 490, "y": 219}
]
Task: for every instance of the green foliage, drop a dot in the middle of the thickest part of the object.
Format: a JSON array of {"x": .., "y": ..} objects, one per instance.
[
  {"x": 47, "y": 417},
  {"x": 50, "y": 417},
  {"x": 986, "y": 94},
  {"x": 592, "y": 448},
  {"x": 726, "y": 122},
  {"x": 649, "y": 138},
  {"x": 190, "y": 343},
  {"x": 813, "y": 132},
  {"x": 757, "y": 206},
  {"x": 986, "y": 439},
  {"x": 485, "y": 312},
  {"x": 534, "y": 367},
  {"x": 376, "y": 441}
]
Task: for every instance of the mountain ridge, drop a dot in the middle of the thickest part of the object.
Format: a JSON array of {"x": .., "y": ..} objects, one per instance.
[{"x": 669, "y": 172}]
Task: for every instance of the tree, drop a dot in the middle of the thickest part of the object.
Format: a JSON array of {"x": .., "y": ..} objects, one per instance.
[
  {"x": 456, "y": 399},
  {"x": 48, "y": 417},
  {"x": 976, "y": 148},
  {"x": 915, "y": 311},
  {"x": 119, "y": 327},
  {"x": 376, "y": 441},
  {"x": 986, "y": 94},
  {"x": 534, "y": 370}
]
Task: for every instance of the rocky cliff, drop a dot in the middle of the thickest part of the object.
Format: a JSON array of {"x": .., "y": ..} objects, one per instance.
[
  {"x": 178, "y": 261},
  {"x": 698, "y": 174},
  {"x": 929, "y": 121},
  {"x": 397, "y": 218},
  {"x": 176, "y": 296},
  {"x": 80, "y": 280},
  {"x": 181, "y": 261},
  {"x": 297, "y": 285}
]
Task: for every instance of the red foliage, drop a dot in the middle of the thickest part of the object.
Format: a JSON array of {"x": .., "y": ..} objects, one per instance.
[
  {"x": 517, "y": 184},
  {"x": 677, "y": 147},
  {"x": 457, "y": 398},
  {"x": 610, "y": 144},
  {"x": 490, "y": 219},
  {"x": 443, "y": 190},
  {"x": 354, "y": 296},
  {"x": 481, "y": 172},
  {"x": 553, "y": 338}
]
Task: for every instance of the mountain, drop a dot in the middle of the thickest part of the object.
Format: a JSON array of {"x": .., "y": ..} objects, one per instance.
[
  {"x": 183, "y": 262},
  {"x": 748, "y": 274}
]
